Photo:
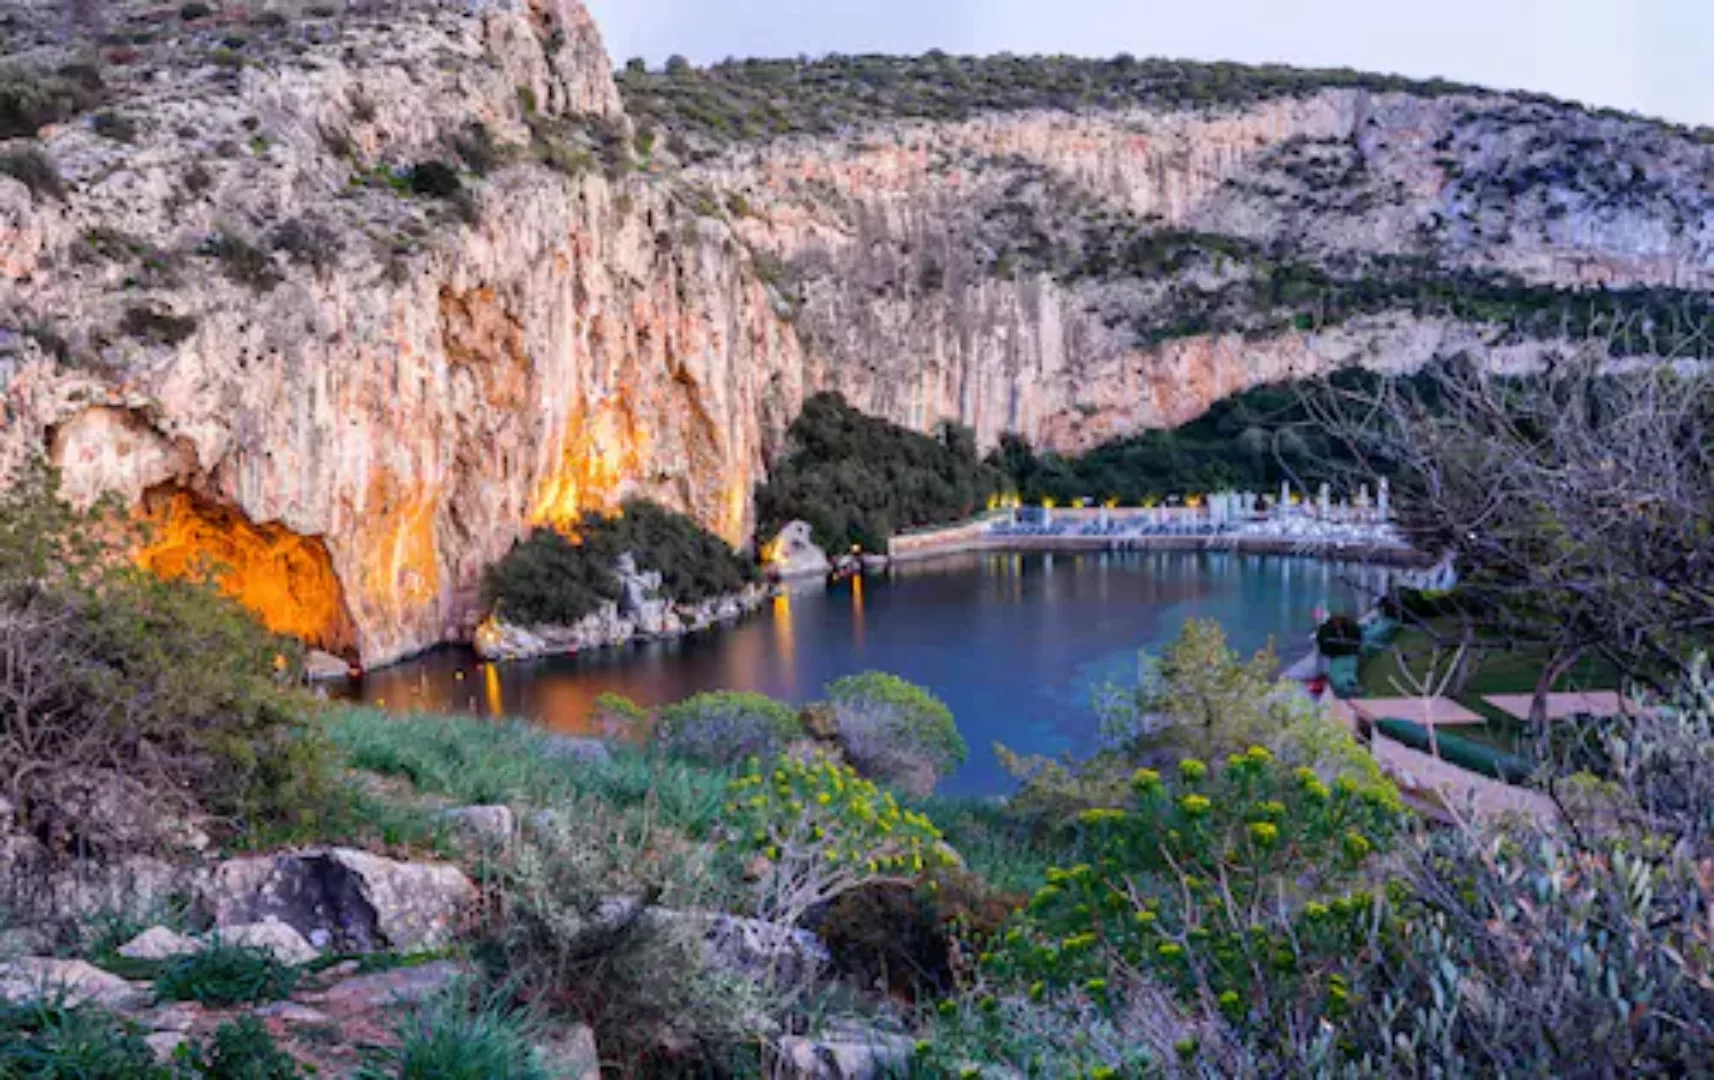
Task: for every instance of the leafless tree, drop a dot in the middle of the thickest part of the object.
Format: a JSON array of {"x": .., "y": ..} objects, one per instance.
[{"x": 1578, "y": 500}]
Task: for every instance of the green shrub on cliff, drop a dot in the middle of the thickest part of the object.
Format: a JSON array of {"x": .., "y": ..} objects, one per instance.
[
  {"x": 859, "y": 480},
  {"x": 556, "y": 578}
]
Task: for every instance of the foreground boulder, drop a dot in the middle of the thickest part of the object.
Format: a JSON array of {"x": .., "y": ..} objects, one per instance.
[
  {"x": 159, "y": 943},
  {"x": 342, "y": 899},
  {"x": 751, "y": 949},
  {"x": 273, "y": 937},
  {"x": 72, "y": 982}
]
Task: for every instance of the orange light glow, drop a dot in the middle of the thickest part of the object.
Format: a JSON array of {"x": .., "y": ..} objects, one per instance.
[
  {"x": 491, "y": 690},
  {"x": 286, "y": 579},
  {"x": 601, "y": 453}
]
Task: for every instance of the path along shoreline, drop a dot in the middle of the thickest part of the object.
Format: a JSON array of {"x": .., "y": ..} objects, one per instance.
[{"x": 956, "y": 542}]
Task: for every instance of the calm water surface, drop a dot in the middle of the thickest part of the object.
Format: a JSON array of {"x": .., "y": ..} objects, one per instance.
[{"x": 1014, "y": 644}]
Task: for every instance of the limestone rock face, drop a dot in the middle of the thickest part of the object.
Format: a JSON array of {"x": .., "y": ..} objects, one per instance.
[
  {"x": 397, "y": 386},
  {"x": 260, "y": 323}
]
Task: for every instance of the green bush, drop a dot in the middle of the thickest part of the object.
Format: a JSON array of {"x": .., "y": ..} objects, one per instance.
[
  {"x": 224, "y": 974},
  {"x": 35, "y": 170},
  {"x": 31, "y": 100},
  {"x": 892, "y": 729},
  {"x": 824, "y": 831},
  {"x": 1339, "y": 636},
  {"x": 242, "y": 261},
  {"x": 453, "y": 1038},
  {"x": 242, "y": 1049},
  {"x": 1474, "y": 756},
  {"x": 106, "y": 681},
  {"x": 573, "y": 934},
  {"x": 114, "y": 125},
  {"x": 858, "y": 480},
  {"x": 551, "y": 579},
  {"x": 727, "y": 727},
  {"x": 435, "y": 180},
  {"x": 50, "y": 1041},
  {"x": 157, "y": 327}
]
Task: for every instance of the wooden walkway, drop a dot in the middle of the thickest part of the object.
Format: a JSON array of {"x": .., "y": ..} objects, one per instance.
[
  {"x": 1432, "y": 784},
  {"x": 1565, "y": 706}
]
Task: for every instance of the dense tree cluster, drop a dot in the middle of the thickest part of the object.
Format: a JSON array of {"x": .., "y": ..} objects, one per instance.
[
  {"x": 557, "y": 578},
  {"x": 1250, "y": 441},
  {"x": 858, "y": 480}
]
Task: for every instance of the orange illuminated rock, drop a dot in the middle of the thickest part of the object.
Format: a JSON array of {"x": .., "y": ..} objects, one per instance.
[{"x": 285, "y": 578}]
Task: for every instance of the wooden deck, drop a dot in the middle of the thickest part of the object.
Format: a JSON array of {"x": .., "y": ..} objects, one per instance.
[
  {"x": 1429, "y": 712},
  {"x": 1567, "y": 705}
]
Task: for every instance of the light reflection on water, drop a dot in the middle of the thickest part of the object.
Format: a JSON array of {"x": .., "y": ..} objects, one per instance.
[{"x": 1016, "y": 644}]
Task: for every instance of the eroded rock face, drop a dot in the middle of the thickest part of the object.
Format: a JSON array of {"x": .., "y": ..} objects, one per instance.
[
  {"x": 400, "y": 386},
  {"x": 244, "y": 320}
]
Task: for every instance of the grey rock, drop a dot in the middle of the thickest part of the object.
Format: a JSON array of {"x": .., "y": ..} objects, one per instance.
[
  {"x": 73, "y": 981},
  {"x": 576, "y": 748},
  {"x": 291, "y": 1012},
  {"x": 174, "y": 1016},
  {"x": 362, "y": 902},
  {"x": 159, "y": 943},
  {"x": 279, "y": 939},
  {"x": 752, "y": 949},
  {"x": 164, "y": 1044},
  {"x": 489, "y": 826},
  {"x": 793, "y": 553},
  {"x": 325, "y": 667},
  {"x": 844, "y": 1055},
  {"x": 387, "y": 989},
  {"x": 570, "y": 1054}
]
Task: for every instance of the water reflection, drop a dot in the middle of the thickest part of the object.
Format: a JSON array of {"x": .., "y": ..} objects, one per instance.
[{"x": 1015, "y": 644}]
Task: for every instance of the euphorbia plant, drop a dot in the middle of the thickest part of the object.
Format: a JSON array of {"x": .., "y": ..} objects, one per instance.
[
  {"x": 1236, "y": 886},
  {"x": 822, "y": 831}
]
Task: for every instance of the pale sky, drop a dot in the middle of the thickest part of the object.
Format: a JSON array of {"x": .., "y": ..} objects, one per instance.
[{"x": 1649, "y": 56}]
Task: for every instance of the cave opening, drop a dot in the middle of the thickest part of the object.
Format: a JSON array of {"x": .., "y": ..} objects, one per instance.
[{"x": 286, "y": 578}]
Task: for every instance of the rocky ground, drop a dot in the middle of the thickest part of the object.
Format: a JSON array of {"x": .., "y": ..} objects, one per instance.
[{"x": 366, "y": 940}]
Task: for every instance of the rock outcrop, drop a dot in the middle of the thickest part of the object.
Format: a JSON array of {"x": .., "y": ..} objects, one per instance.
[
  {"x": 794, "y": 553},
  {"x": 340, "y": 898},
  {"x": 641, "y": 614},
  {"x": 350, "y": 304}
]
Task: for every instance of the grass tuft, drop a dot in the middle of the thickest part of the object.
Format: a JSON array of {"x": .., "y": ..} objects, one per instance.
[
  {"x": 225, "y": 974},
  {"x": 455, "y": 1038}
]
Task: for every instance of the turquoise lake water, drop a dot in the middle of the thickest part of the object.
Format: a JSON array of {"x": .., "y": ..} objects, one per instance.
[{"x": 1016, "y": 645}]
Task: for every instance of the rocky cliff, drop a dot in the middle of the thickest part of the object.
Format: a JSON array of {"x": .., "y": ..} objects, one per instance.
[{"x": 346, "y": 295}]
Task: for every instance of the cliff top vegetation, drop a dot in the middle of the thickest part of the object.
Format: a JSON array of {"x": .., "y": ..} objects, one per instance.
[{"x": 756, "y": 99}]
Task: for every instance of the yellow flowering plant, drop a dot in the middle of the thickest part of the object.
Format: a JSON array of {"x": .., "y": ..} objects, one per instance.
[
  {"x": 822, "y": 831},
  {"x": 1232, "y": 882}
]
